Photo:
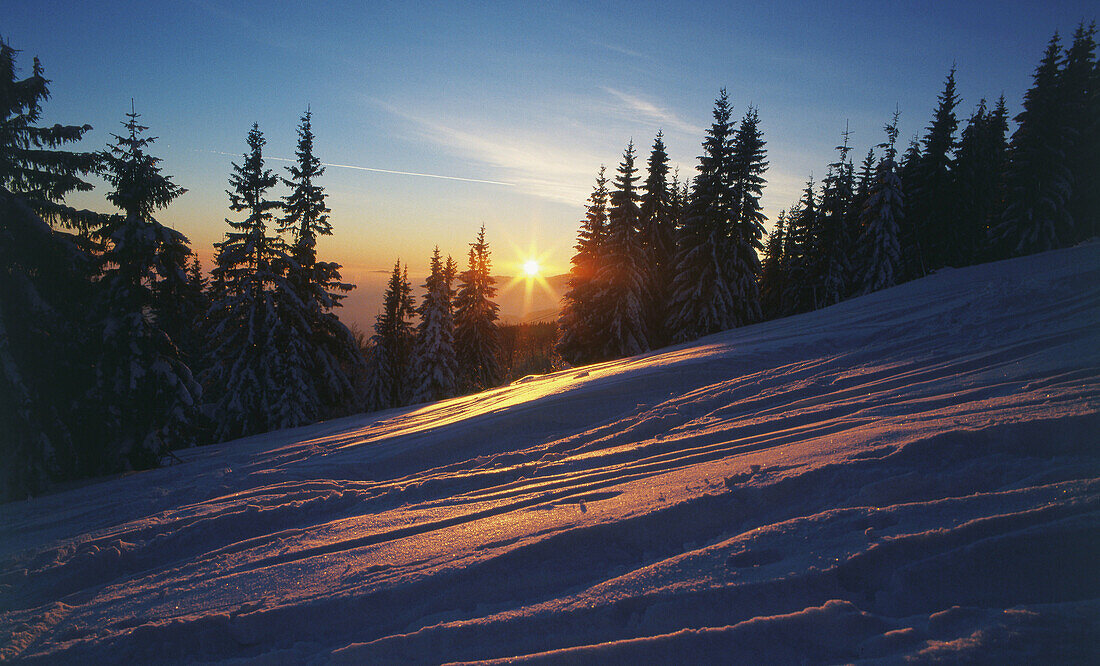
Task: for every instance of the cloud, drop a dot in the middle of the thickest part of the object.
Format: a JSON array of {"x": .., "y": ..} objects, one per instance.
[
  {"x": 663, "y": 117},
  {"x": 538, "y": 166},
  {"x": 615, "y": 48},
  {"x": 380, "y": 170}
]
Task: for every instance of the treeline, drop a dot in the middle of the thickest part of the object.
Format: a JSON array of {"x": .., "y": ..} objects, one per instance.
[
  {"x": 115, "y": 348},
  {"x": 670, "y": 262},
  {"x": 953, "y": 198},
  {"x": 446, "y": 346}
]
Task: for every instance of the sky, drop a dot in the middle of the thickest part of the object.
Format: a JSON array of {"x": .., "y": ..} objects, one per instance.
[{"x": 437, "y": 118}]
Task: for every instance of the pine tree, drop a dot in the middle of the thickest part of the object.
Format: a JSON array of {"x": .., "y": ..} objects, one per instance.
[
  {"x": 880, "y": 250},
  {"x": 436, "y": 364},
  {"x": 746, "y": 231},
  {"x": 147, "y": 391},
  {"x": 242, "y": 374},
  {"x": 581, "y": 318},
  {"x": 931, "y": 193},
  {"x": 773, "y": 270},
  {"x": 390, "y": 357},
  {"x": 1080, "y": 91},
  {"x": 477, "y": 340},
  {"x": 800, "y": 249},
  {"x": 865, "y": 179},
  {"x": 31, "y": 165},
  {"x": 45, "y": 286},
  {"x": 1038, "y": 180},
  {"x": 838, "y": 195},
  {"x": 702, "y": 302},
  {"x": 658, "y": 239},
  {"x": 621, "y": 279},
  {"x": 978, "y": 182},
  {"x": 327, "y": 348},
  {"x": 181, "y": 304},
  {"x": 913, "y": 263}
]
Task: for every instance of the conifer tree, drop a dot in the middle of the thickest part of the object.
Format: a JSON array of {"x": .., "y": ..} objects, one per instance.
[
  {"x": 1080, "y": 89},
  {"x": 1038, "y": 180},
  {"x": 864, "y": 180},
  {"x": 702, "y": 301},
  {"x": 836, "y": 245},
  {"x": 773, "y": 270},
  {"x": 243, "y": 371},
  {"x": 477, "y": 340},
  {"x": 327, "y": 347},
  {"x": 390, "y": 357},
  {"x": 913, "y": 262},
  {"x": 32, "y": 167},
  {"x": 45, "y": 286},
  {"x": 621, "y": 279},
  {"x": 436, "y": 364},
  {"x": 801, "y": 252},
  {"x": 580, "y": 320},
  {"x": 931, "y": 193},
  {"x": 979, "y": 181},
  {"x": 747, "y": 167},
  {"x": 148, "y": 394},
  {"x": 880, "y": 250},
  {"x": 450, "y": 273},
  {"x": 658, "y": 239}
]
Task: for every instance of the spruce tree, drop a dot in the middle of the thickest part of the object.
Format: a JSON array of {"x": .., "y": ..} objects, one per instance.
[
  {"x": 932, "y": 194},
  {"x": 879, "y": 248},
  {"x": 477, "y": 339},
  {"x": 773, "y": 270},
  {"x": 978, "y": 182},
  {"x": 621, "y": 280},
  {"x": 436, "y": 364},
  {"x": 243, "y": 373},
  {"x": 658, "y": 240},
  {"x": 146, "y": 391},
  {"x": 702, "y": 301},
  {"x": 864, "y": 180},
  {"x": 389, "y": 359},
  {"x": 327, "y": 348},
  {"x": 838, "y": 197},
  {"x": 45, "y": 286},
  {"x": 1038, "y": 181},
  {"x": 32, "y": 167},
  {"x": 913, "y": 262},
  {"x": 1080, "y": 91},
  {"x": 800, "y": 248},
  {"x": 746, "y": 223},
  {"x": 581, "y": 318}
]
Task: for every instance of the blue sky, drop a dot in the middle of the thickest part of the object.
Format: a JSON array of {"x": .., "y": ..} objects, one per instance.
[{"x": 530, "y": 96}]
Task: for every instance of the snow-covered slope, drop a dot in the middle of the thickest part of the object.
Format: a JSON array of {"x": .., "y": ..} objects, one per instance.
[{"x": 911, "y": 473}]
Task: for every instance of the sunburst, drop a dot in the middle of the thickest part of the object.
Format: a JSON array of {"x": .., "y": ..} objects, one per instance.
[{"x": 529, "y": 268}]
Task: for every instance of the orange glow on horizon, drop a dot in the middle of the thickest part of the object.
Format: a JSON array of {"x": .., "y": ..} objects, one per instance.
[{"x": 529, "y": 270}]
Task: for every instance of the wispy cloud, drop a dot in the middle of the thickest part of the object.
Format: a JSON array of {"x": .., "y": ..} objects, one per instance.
[
  {"x": 379, "y": 170},
  {"x": 651, "y": 111},
  {"x": 622, "y": 50},
  {"x": 538, "y": 166}
]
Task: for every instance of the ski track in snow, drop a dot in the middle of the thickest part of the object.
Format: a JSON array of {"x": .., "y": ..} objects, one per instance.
[{"x": 910, "y": 474}]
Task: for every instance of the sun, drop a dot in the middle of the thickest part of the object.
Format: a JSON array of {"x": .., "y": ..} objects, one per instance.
[{"x": 531, "y": 268}]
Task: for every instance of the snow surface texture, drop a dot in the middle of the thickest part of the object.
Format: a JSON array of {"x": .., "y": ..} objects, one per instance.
[{"x": 912, "y": 473}]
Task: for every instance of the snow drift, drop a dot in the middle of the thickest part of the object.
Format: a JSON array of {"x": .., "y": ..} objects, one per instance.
[{"x": 912, "y": 473}]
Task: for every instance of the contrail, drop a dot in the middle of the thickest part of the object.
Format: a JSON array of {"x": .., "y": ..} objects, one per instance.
[{"x": 363, "y": 168}]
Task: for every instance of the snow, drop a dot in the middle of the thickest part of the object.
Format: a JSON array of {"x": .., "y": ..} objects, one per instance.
[{"x": 910, "y": 474}]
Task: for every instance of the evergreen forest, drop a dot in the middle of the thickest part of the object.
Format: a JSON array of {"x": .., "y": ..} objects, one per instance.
[{"x": 117, "y": 347}]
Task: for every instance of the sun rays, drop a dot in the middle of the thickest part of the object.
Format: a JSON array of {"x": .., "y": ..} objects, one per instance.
[{"x": 529, "y": 268}]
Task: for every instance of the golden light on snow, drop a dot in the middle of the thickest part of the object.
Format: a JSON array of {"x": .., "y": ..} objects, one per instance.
[{"x": 531, "y": 268}]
